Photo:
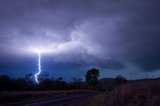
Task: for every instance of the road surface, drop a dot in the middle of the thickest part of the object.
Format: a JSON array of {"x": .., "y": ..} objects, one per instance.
[{"x": 53, "y": 102}]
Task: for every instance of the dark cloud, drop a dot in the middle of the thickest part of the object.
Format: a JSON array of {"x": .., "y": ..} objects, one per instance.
[{"x": 106, "y": 33}]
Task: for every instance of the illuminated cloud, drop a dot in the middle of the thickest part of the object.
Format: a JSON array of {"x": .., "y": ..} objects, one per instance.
[{"x": 113, "y": 34}]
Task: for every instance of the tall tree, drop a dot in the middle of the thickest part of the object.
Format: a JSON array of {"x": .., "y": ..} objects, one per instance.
[{"x": 92, "y": 77}]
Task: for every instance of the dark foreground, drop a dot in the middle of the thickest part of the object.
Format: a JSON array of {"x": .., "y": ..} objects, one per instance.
[{"x": 66, "y": 101}]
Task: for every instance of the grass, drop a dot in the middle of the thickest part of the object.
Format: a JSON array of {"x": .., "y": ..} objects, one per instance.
[
  {"x": 141, "y": 93},
  {"x": 136, "y": 93}
]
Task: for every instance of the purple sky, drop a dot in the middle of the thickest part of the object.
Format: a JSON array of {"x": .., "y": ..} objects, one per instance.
[{"x": 115, "y": 36}]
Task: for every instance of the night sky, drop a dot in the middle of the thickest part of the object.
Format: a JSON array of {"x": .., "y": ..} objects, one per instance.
[{"x": 114, "y": 36}]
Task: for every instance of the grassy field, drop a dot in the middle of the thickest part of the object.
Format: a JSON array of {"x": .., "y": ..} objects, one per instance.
[
  {"x": 136, "y": 93},
  {"x": 8, "y": 97}
]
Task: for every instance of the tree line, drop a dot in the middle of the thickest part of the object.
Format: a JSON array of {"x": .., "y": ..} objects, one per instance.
[{"x": 46, "y": 83}]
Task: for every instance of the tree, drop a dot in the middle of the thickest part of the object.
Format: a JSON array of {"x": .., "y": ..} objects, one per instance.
[
  {"x": 5, "y": 83},
  {"x": 76, "y": 79},
  {"x": 28, "y": 77},
  {"x": 92, "y": 77},
  {"x": 120, "y": 80},
  {"x": 29, "y": 81},
  {"x": 76, "y": 82},
  {"x": 20, "y": 84},
  {"x": 43, "y": 76}
]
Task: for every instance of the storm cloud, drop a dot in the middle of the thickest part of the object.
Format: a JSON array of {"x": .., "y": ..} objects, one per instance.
[{"x": 112, "y": 34}]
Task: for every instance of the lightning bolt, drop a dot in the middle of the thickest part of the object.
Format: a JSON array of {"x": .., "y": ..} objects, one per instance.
[{"x": 39, "y": 67}]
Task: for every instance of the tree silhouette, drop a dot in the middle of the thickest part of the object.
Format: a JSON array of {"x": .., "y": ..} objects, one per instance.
[
  {"x": 120, "y": 80},
  {"x": 5, "y": 83},
  {"x": 76, "y": 82},
  {"x": 92, "y": 77},
  {"x": 43, "y": 76}
]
